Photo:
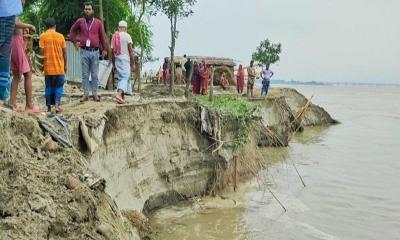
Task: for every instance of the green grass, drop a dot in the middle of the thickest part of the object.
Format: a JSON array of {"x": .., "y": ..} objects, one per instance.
[{"x": 232, "y": 107}]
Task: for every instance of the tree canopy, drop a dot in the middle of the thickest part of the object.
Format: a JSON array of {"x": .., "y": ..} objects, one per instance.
[
  {"x": 174, "y": 8},
  {"x": 267, "y": 52}
]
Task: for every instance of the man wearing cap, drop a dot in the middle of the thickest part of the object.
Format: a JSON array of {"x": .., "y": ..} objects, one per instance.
[
  {"x": 91, "y": 36},
  {"x": 8, "y": 11},
  {"x": 123, "y": 60}
]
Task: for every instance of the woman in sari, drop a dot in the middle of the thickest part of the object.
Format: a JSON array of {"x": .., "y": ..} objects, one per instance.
[
  {"x": 223, "y": 81},
  {"x": 204, "y": 76},
  {"x": 240, "y": 79},
  {"x": 166, "y": 71},
  {"x": 196, "y": 79}
]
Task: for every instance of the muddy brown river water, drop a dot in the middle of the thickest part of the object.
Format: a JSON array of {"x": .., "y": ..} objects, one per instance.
[{"x": 352, "y": 173}]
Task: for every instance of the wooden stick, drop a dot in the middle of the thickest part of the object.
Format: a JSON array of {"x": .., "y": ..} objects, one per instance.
[
  {"x": 276, "y": 199},
  {"x": 218, "y": 148},
  {"x": 294, "y": 165},
  {"x": 303, "y": 110},
  {"x": 210, "y": 98},
  {"x": 234, "y": 173},
  {"x": 299, "y": 117}
]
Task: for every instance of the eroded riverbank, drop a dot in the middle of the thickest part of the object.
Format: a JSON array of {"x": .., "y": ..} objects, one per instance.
[{"x": 131, "y": 160}]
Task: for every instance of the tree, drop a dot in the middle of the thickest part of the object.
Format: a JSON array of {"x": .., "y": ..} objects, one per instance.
[
  {"x": 267, "y": 52},
  {"x": 143, "y": 6},
  {"x": 174, "y": 10}
]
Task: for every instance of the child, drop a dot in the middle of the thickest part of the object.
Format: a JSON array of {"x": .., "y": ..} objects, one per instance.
[
  {"x": 266, "y": 76},
  {"x": 53, "y": 47},
  {"x": 20, "y": 66}
]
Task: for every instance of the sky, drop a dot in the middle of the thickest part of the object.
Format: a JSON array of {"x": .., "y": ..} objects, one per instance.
[{"x": 322, "y": 40}]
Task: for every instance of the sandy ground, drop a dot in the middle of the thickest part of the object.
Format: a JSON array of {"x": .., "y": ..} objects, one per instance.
[{"x": 73, "y": 91}]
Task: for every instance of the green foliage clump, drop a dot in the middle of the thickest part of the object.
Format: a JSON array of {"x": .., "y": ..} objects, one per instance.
[
  {"x": 267, "y": 52},
  {"x": 232, "y": 107}
]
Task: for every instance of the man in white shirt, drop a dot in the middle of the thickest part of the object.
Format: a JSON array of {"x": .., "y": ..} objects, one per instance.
[
  {"x": 266, "y": 75},
  {"x": 123, "y": 60}
]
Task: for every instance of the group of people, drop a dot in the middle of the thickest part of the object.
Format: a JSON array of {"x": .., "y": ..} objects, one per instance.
[
  {"x": 265, "y": 74},
  {"x": 202, "y": 72},
  {"x": 164, "y": 73},
  {"x": 89, "y": 37},
  {"x": 92, "y": 41},
  {"x": 201, "y": 77}
]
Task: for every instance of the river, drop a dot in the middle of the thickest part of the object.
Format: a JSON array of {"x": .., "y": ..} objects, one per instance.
[{"x": 351, "y": 170}]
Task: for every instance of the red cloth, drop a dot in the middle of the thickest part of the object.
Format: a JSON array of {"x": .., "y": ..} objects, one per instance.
[
  {"x": 116, "y": 43},
  {"x": 19, "y": 60},
  {"x": 204, "y": 76},
  {"x": 166, "y": 74},
  {"x": 240, "y": 80},
  {"x": 196, "y": 80},
  {"x": 96, "y": 34}
]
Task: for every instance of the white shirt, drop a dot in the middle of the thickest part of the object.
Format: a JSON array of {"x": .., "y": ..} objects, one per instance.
[
  {"x": 125, "y": 40},
  {"x": 267, "y": 73}
]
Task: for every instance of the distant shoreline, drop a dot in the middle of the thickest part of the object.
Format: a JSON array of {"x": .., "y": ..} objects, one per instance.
[{"x": 286, "y": 82}]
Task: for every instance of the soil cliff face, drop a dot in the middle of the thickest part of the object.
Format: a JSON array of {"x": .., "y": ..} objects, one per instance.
[
  {"x": 150, "y": 154},
  {"x": 155, "y": 154}
]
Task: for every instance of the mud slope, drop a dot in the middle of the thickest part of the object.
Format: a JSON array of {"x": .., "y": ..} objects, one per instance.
[{"x": 35, "y": 202}]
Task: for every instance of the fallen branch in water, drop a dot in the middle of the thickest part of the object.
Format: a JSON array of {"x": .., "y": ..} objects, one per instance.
[{"x": 299, "y": 118}]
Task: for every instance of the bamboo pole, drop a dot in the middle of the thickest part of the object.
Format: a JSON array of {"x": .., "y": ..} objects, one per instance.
[
  {"x": 211, "y": 84},
  {"x": 234, "y": 173}
]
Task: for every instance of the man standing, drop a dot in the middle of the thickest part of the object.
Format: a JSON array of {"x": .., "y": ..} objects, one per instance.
[
  {"x": 251, "y": 78},
  {"x": 54, "y": 49},
  {"x": 123, "y": 59},
  {"x": 188, "y": 69},
  {"x": 266, "y": 76},
  {"x": 91, "y": 36},
  {"x": 8, "y": 11}
]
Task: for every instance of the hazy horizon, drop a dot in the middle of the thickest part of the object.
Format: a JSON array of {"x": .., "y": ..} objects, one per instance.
[{"x": 322, "y": 40}]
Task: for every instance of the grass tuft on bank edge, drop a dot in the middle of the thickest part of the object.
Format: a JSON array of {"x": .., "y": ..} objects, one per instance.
[{"x": 232, "y": 107}]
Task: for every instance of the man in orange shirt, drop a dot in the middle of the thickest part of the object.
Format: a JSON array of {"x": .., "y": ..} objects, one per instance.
[{"x": 53, "y": 48}]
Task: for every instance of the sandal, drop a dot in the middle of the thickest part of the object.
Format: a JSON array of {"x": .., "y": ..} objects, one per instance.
[{"x": 84, "y": 98}]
